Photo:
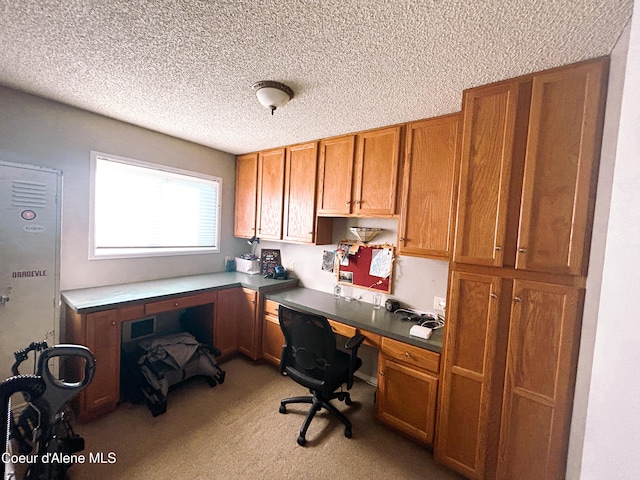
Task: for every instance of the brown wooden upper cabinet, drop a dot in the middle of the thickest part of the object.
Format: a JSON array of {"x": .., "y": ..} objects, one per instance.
[
  {"x": 427, "y": 211},
  {"x": 246, "y": 195},
  {"x": 276, "y": 196},
  {"x": 359, "y": 173},
  {"x": 301, "y": 169},
  {"x": 530, "y": 150},
  {"x": 271, "y": 165},
  {"x": 561, "y": 168},
  {"x": 336, "y": 175}
]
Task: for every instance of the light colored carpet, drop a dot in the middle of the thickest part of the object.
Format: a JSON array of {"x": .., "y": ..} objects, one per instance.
[{"x": 234, "y": 431}]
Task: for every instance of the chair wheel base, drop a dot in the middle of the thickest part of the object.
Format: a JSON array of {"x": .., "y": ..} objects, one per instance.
[
  {"x": 282, "y": 409},
  {"x": 347, "y": 432},
  {"x": 301, "y": 441}
]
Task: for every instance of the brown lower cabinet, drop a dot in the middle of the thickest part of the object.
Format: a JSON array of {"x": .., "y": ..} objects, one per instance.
[
  {"x": 248, "y": 327},
  {"x": 509, "y": 363},
  {"x": 407, "y": 389},
  {"x": 225, "y": 328},
  {"x": 103, "y": 339},
  {"x": 272, "y": 337}
]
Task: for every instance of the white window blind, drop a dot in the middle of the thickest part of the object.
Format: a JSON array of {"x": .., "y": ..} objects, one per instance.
[{"x": 142, "y": 209}]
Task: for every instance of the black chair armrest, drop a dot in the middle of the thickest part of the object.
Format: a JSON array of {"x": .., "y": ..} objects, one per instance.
[{"x": 354, "y": 342}]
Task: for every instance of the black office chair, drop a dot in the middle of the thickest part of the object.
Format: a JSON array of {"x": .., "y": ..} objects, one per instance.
[{"x": 310, "y": 357}]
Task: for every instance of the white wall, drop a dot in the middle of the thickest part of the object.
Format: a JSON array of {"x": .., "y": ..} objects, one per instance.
[
  {"x": 608, "y": 404},
  {"x": 596, "y": 261},
  {"x": 36, "y": 131}
]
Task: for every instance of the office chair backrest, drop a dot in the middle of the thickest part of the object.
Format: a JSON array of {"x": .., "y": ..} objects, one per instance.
[{"x": 310, "y": 344}]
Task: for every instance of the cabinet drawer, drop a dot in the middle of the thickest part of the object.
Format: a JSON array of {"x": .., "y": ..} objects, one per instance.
[
  {"x": 271, "y": 307},
  {"x": 411, "y": 355},
  {"x": 370, "y": 338},
  {"x": 272, "y": 319},
  {"x": 179, "y": 302},
  {"x": 131, "y": 312},
  {"x": 342, "y": 329}
]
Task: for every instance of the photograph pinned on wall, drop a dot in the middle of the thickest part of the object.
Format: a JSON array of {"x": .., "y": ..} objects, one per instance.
[
  {"x": 346, "y": 277},
  {"x": 345, "y": 250},
  {"x": 328, "y": 259}
]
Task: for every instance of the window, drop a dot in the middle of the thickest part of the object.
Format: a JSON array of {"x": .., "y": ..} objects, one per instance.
[{"x": 141, "y": 209}]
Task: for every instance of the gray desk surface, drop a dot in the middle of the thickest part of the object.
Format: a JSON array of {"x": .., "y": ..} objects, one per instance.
[
  {"x": 85, "y": 300},
  {"x": 357, "y": 314}
]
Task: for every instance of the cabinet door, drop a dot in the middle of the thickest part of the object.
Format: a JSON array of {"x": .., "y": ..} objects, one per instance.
[
  {"x": 225, "y": 330},
  {"x": 377, "y": 164},
  {"x": 246, "y": 195},
  {"x": 336, "y": 175},
  {"x": 247, "y": 328},
  {"x": 272, "y": 336},
  {"x": 489, "y": 122},
  {"x": 272, "y": 340},
  {"x": 471, "y": 387},
  {"x": 406, "y": 399},
  {"x": 270, "y": 193},
  {"x": 103, "y": 339},
  {"x": 561, "y": 164},
  {"x": 429, "y": 181},
  {"x": 300, "y": 192},
  {"x": 539, "y": 382}
]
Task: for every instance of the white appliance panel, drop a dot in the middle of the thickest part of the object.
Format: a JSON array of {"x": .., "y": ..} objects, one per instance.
[{"x": 30, "y": 221}]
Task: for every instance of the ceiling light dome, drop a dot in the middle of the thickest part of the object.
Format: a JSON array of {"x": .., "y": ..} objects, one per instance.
[{"x": 272, "y": 94}]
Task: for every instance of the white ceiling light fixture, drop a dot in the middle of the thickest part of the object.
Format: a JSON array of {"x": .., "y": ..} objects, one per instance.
[{"x": 272, "y": 95}]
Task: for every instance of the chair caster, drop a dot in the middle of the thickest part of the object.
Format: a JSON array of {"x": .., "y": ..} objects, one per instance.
[
  {"x": 301, "y": 441},
  {"x": 283, "y": 409},
  {"x": 347, "y": 400},
  {"x": 347, "y": 432}
]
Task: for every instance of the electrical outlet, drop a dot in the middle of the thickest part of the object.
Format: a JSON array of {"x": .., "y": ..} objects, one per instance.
[
  {"x": 291, "y": 266},
  {"x": 439, "y": 303}
]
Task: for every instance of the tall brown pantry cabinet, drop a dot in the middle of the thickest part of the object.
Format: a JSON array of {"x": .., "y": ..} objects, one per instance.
[{"x": 529, "y": 161}]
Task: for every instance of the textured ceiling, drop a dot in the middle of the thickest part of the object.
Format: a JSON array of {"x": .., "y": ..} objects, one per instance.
[{"x": 185, "y": 68}]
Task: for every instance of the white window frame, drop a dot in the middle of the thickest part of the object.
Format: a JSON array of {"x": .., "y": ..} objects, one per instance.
[{"x": 96, "y": 253}]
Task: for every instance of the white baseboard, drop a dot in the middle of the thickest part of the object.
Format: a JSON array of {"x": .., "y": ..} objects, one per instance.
[{"x": 373, "y": 381}]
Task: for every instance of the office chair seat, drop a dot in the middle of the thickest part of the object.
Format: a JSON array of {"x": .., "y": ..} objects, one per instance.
[{"x": 310, "y": 358}]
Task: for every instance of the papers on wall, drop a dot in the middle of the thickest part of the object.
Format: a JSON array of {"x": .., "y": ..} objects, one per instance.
[
  {"x": 328, "y": 258},
  {"x": 381, "y": 260}
]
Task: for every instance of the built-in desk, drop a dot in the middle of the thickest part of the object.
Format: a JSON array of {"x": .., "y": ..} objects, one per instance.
[
  {"x": 93, "y": 317},
  {"x": 87, "y": 300},
  {"x": 408, "y": 367},
  {"x": 356, "y": 314}
]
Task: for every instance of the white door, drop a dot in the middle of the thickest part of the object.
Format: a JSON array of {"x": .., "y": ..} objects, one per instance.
[{"x": 30, "y": 199}]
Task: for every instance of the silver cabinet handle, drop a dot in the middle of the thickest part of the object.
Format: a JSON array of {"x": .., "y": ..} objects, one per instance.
[
  {"x": 517, "y": 299},
  {"x": 522, "y": 250},
  {"x": 498, "y": 248},
  {"x": 493, "y": 295}
]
